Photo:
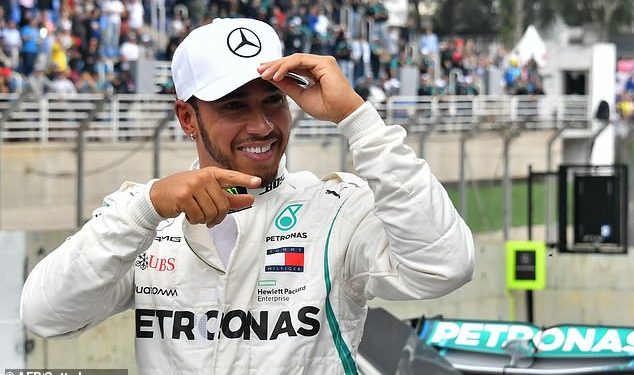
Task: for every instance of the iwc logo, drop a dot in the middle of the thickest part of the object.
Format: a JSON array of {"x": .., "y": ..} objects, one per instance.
[{"x": 244, "y": 42}]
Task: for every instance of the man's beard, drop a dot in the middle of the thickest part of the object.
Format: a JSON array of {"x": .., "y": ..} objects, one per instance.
[{"x": 223, "y": 160}]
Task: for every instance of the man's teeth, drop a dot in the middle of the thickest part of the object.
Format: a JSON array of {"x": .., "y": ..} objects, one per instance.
[{"x": 257, "y": 149}]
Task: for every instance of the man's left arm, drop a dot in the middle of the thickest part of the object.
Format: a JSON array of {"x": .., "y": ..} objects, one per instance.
[{"x": 407, "y": 240}]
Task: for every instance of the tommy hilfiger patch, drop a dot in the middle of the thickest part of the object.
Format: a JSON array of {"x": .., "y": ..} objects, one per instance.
[{"x": 284, "y": 259}]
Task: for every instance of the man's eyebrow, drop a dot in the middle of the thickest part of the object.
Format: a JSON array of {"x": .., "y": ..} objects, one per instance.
[
  {"x": 238, "y": 94},
  {"x": 242, "y": 93}
]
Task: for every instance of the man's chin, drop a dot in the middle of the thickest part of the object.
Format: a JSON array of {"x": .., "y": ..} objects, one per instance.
[{"x": 267, "y": 178}]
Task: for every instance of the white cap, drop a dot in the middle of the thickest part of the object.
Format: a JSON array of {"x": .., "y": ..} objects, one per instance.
[{"x": 217, "y": 58}]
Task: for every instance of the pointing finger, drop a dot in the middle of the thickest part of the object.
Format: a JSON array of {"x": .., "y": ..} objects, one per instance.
[{"x": 227, "y": 178}]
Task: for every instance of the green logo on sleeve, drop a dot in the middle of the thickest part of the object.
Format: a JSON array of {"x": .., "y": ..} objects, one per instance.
[{"x": 287, "y": 219}]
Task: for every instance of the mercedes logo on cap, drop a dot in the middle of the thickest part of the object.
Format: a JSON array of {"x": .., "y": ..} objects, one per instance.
[{"x": 244, "y": 42}]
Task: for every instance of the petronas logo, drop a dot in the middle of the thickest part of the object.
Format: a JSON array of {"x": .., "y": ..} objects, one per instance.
[{"x": 287, "y": 219}]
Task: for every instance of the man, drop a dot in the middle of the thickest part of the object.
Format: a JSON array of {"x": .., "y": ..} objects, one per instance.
[{"x": 238, "y": 266}]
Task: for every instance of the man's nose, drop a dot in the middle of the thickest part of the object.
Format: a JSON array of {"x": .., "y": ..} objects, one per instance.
[{"x": 260, "y": 124}]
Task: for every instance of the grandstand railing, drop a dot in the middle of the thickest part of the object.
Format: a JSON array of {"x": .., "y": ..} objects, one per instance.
[
  {"x": 459, "y": 113},
  {"x": 55, "y": 118}
]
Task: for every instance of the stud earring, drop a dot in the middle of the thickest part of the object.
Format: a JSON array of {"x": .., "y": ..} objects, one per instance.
[{"x": 192, "y": 136}]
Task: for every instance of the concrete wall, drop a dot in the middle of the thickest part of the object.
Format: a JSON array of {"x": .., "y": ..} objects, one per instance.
[
  {"x": 110, "y": 345},
  {"x": 38, "y": 180},
  {"x": 580, "y": 289}
]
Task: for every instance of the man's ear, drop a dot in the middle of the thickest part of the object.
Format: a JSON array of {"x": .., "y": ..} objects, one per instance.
[{"x": 186, "y": 117}]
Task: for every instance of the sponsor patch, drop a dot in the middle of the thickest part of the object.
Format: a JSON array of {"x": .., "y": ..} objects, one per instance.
[
  {"x": 155, "y": 291},
  {"x": 288, "y": 236},
  {"x": 287, "y": 218},
  {"x": 284, "y": 259},
  {"x": 267, "y": 283},
  {"x": 143, "y": 261}
]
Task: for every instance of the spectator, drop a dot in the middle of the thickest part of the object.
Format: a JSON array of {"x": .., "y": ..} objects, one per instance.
[
  {"x": 58, "y": 57},
  {"x": 426, "y": 86},
  {"x": 90, "y": 55},
  {"x": 12, "y": 43},
  {"x": 629, "y": 84},
  {"x": 5, "y": 59},
  {"x": 123, "y": 84},
  {"x": 376, "y": 94},
  {"x": 78, "y": 25},
  {"x": 428, "y": 43},
  {"x": 86, "y": 83},
  {"x": 112, "y": 10},
  {"x": 380, "y": 15},
  {"x": 342, "y": 50},
  {"x": 174, "y": 41},
  {"x": 512, "y": 75},
  {"x": 295, "y": 40},
  {"x": 46, "y": 22},
  {"x": 391, "y": 85},
  {"x": 38, "y": 82},
  {"x": 93, "y": 24},
  {"x": 129, "y": 50},
  {"x": 178, "y": 24},
  {"x": 26, "y": 10},
  {"x": 30, "y": 45},
  {"x": 61, "y": 84},
  {"x": 360, "y": 55},
  {"x": 377, "y": 57},
  {"x": 4, "y": 82},
  {"x": 135, "y": 15},
  {"x": 75, "y": 63}
]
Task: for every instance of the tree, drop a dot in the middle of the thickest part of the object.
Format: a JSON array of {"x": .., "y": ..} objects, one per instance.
[
  {"x": 509, "y": 18},
  {"x": 607, "y": 15},
  {"x": 467, "y": 17}
]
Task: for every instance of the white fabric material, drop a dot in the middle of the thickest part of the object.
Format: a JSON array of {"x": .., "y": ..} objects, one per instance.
[
  {"x": 396, "y": 237},
  {"x": 224, "y": 236}
]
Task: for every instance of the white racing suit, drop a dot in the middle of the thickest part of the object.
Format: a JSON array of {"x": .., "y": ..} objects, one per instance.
[{"x": 292, "y": 300}]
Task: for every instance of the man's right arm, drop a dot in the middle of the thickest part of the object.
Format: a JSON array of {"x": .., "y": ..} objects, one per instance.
[{"x": 90, "y": 276}]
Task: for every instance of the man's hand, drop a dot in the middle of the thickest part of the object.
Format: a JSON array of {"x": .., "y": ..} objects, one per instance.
[
  {"x": 200, "y": 194},
  {"x": 330, "y": 98}
]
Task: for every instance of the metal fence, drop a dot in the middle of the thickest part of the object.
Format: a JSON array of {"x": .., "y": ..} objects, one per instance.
[
  {"x": 90, "y": 122},
  {"x": 128, "y": 117}
]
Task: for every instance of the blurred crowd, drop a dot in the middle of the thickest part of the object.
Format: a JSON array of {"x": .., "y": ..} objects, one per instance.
[
  {"x": 625, "y": 92},
  {"x": 68, "y": 46}
]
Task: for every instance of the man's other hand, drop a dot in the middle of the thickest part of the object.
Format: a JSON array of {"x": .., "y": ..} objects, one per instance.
[{"x": 331, "y": 98}]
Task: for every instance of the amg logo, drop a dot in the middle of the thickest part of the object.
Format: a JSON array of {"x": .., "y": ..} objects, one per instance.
[
  {"x": 286, "y": 236},
  {"x": 168, "y": 238},
  {"x": 153, "y": 290},
  {"x": 233, "y": 324}
]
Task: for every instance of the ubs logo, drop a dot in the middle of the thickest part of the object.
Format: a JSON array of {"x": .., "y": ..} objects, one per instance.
[
  {"x": 244, "y": 42},
  {"x": 160, "y": 264}
]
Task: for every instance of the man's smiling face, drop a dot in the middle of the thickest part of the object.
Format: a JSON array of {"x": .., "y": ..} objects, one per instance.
[{"x": 247, "y": 130}]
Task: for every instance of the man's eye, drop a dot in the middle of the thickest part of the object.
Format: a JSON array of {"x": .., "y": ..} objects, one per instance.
[
  {"x": 275, "y": 99},
  {"x": 233, "y": 105}
]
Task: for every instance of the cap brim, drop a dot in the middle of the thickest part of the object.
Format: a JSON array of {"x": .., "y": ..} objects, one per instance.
[
  {"x": 225, "y": 86},
  {"x": 231, "y": 83}
]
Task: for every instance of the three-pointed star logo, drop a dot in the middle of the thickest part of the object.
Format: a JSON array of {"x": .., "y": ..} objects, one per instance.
[{"x": 244, "y": 42}]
